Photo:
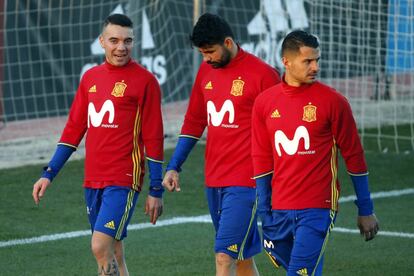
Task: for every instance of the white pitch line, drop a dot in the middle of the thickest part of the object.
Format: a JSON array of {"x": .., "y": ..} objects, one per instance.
[
  {"x": 393, "y": 193},
  {"x": 380, "y": 233},
  {"x": 205, "y": 219},
  {"x": 75, "y": 234}
]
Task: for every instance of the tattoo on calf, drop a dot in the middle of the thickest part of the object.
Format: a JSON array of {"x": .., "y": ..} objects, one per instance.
[{"x": 111, "y": 269}]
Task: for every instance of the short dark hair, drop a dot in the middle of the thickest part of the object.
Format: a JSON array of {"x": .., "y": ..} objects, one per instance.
[
  {"x": 210, "y": 29},
  {"x": 296, "y": 39},
  {"x": 118, "y": 19}
]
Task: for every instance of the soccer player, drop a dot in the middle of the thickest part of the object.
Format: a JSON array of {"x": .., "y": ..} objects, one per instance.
[
  {"x": 118, "y": 106},
  {"x": 298, "y": 126},
  {"x": 221, "y": 100}
]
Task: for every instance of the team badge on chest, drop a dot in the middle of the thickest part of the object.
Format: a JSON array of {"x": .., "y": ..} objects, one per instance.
[
  {"x": 237, "y": 87},
  {"x": 309, "y": 113},
  {"x": 119, "y": 89}
]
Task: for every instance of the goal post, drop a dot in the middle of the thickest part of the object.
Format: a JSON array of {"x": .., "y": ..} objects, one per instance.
[{"x": 367, "y": 52}]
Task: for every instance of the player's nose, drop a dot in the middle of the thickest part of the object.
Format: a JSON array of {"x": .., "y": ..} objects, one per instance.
[
  {"x": 206, "y": 58},
  {"x": 315, "y": 66},
  {"x": 121, "y": 47}
]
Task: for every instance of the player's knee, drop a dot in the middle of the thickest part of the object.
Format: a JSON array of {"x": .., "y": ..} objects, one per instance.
[
  {"x": 98, "y": 249},
  {"x": 101, "y": 250},
  {"x": 102, "y": 244},
  {"x": 224, "y": 260}
]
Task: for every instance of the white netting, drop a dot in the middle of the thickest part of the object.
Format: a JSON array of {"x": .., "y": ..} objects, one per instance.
[
  {"x": 367, "y": 54},
  {"x": 48, "y": 44}
]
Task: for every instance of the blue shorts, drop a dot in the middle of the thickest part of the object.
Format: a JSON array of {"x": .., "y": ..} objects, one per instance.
[
  {"x": 110, "y": 209},
  {"x": 296, "y": 239},
  {"x": 233, "y": 211}
]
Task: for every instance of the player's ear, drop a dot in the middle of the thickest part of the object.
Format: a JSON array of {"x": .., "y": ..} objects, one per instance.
[
  {"x": 285, "y": 61},
  {"x": 228, "y": 42},
  {"x": 101, "y": 41}
]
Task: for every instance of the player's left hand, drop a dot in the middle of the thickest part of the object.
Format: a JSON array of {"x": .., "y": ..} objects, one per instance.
[
  {"x": 368, "y": 226},
  {"x": 153, "y": 208},
  {"x": 171, "y": 181}
]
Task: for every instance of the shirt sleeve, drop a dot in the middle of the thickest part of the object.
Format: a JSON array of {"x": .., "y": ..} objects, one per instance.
[
  {"x": 152, "y": 127},
  {"x": 77, "y": 122},
  {"x": 261, "y": 144},
  {"x": 346, "y": 136},
  {"x": 195, "y": 119},
  {"x": 181, "y": 152}
]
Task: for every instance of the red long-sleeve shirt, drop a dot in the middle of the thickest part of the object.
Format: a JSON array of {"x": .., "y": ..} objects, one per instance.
[
  {"x": 222, "y": 100},
  {"x": 296, "y": 132},
  {"x": 119, "y": 109}
]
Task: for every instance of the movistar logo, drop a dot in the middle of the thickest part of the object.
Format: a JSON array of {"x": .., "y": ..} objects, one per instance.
[
  {"x": 268, "y": 244},
  {"x": 216, "y": 117},
  {"x": 291, "y": 146},
  {"x": 95, "y": 118}
]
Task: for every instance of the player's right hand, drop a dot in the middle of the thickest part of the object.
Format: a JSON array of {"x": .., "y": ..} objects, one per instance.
[
  {"x": 171, "y": 181},
  {"x": 368, "y": 226},
  {"x": 39, "y": 189}
]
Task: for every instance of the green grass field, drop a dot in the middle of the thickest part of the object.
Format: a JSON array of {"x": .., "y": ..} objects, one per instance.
[
  {"x": 187, "y": 249},
  {"x": 398, "y": 138}
]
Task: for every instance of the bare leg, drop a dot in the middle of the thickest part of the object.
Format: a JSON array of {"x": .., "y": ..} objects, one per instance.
[
  {"x": 103, "y": 248},
  {"x": 120, "y": 258},
  {"x": 225, "y": 265},
  {"x": 246, "y": 268}
]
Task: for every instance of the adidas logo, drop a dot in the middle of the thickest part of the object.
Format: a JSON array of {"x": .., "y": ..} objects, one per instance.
[
  {"x": 209, "y": 86},
  {"x": 233, "y": 248},
  {"x": 92, "y": 89},
  {"x": 275, "y": 114},
  {"x": 302, "y": 272},
  {"x": 110, "y": 225}
]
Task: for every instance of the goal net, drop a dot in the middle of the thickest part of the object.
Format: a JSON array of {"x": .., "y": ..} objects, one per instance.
[{"x": 367, "y": 54}]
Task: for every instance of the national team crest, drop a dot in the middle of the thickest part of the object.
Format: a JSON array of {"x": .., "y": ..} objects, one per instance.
[
  {"x": 309, "y": 113},
  {"x": 119, "y": 89},
  {"x": 237, "y": 87}
]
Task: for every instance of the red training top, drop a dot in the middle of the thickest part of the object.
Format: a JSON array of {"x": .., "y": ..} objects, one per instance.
[
  {"x": 120, "y": 108},
  {"x": 222, "y": 100},
  {"x": 296, "y": 134}
]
